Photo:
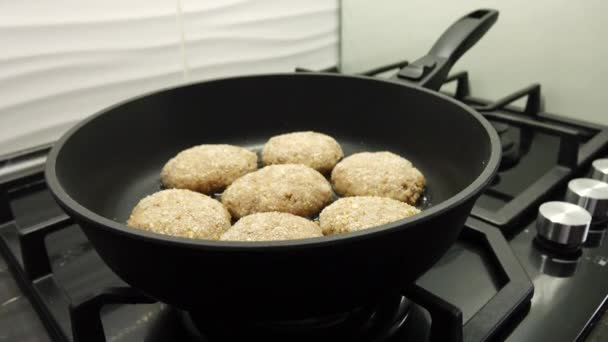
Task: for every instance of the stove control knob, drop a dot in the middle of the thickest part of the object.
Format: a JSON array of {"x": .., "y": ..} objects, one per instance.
[
  {"x": 590, "y": 194},
  {"x": 599, "y": 170},
  {"x": 563, "y": 223}
]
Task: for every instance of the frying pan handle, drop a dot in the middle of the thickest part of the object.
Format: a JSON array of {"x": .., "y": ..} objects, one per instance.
[{"x": 431, "y": 70}]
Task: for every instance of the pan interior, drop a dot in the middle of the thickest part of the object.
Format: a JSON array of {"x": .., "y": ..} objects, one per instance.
[{"x": 115, "y": 158}]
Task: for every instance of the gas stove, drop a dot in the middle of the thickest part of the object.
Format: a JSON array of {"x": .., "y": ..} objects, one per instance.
[{"x": 517, "y": 273}]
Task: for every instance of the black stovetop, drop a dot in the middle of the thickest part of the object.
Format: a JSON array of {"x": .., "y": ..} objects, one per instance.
[{"x": 493, "y": 284}]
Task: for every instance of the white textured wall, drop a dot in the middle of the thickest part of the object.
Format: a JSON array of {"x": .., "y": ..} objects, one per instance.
[
  {"x": 559, "y": 43},
  {"x": 62, "y": 60},
  {"x": 229, "y": 37}
]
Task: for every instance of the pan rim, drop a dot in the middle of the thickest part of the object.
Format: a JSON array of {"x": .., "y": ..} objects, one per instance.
[{"x": 82, "y": 213}]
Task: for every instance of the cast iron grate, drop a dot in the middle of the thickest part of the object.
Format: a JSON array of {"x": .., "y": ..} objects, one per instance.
[
  {"x": 25, "y": 249},
  {"x": 578, "y": 143}
]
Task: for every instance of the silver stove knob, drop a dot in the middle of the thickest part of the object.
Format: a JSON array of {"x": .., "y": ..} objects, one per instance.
[
  {"x": 599, "y": 169},
  {"x": 563, "y": 223},
  {"x": 590, "y": 194}
]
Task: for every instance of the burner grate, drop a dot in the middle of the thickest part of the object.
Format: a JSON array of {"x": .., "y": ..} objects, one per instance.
[
  {"x": 26, "y": 249},
  {"x": 579, "y": 143}
]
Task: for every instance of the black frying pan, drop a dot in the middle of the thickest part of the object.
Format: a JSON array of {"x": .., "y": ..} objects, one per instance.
[{"x": 102, "y": 167}]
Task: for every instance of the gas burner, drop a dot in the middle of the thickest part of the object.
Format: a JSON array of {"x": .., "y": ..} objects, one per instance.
[
  {"x": 380, "y": 322},
  {"x": 510, "y": 153},
  {"x": 396, "y": 318},
  {"x": 515, "y": 135},
  {"x": 541, "y": 152},
  {"x": 515, "y": 141}
]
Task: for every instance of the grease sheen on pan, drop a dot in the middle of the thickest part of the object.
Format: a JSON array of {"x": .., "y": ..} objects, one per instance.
[
  {"x": 180, "y": 212},
  {"x": 208, "y": 168},
  {"x": 350, "y": 214},
  {"x": 289, "y": 188},
  {"x": 317, "y": 150},
  {"x": 272, "y": 226},
  {"x": 378, "y": 174}
]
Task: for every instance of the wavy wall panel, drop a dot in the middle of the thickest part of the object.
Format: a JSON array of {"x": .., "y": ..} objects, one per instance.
[
  {"x": 64, "y": 60},
  {"x": 260, "y": 36}
]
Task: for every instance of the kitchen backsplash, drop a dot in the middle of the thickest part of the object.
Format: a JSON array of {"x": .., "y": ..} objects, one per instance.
[{"x": 64, "y": 60}]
